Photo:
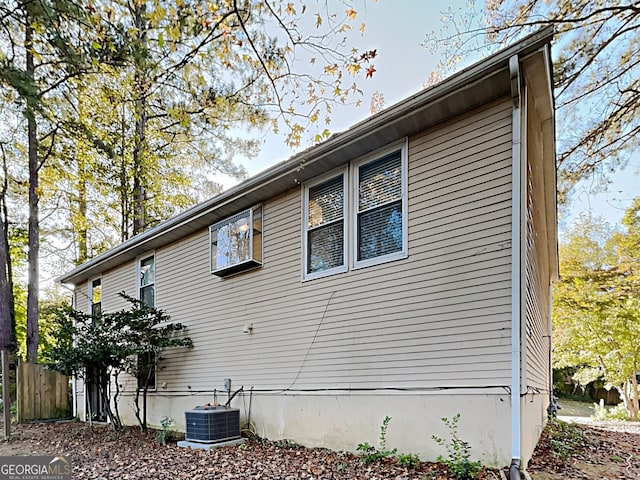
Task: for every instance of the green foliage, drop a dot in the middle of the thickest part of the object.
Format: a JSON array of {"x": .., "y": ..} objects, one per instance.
[
  {"x": 166, "y": 434},
  {"x": 596, "y": 309},
  {"x": 370, "y": 454},
  {"x": 458, "y": 451},
  {"x": 112, "y": 342},
  {"x": 408, "y": 460},
  {"x": 52, "y": 331},
  {"x": 287, "y": 443},
  {"x": 138, "y": 110},
  {"x": 602, "y": 412},
  {"x": 565, "y": 439}
]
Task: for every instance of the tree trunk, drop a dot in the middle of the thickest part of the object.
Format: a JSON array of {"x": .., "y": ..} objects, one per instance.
[
  {"x": 629, "y": 395},
  {"x": 633, "y": 406},
  {"x": 81, "y": 180},
  {"x": 34, "y": 226},
  {"x": 7, "y": 333},
  {"x": 116, "y": 412},
  {"x": 136, "y": 408},
  {"x": 140, "y": 142},
  {"x": 124, "y": 184},
  {"x": 7, "y": 314}
]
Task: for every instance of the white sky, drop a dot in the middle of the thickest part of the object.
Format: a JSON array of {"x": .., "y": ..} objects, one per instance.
[{"x": 396, "y": 28}]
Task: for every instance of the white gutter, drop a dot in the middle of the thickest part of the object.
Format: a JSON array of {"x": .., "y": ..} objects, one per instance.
[{"x": 516, "y": 244}]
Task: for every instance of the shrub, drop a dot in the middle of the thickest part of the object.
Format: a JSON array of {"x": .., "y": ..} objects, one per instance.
[
  {"x": 370, "y": 454},
  {"x": 408, "y": 460},
  {"x": 166, "y": 434},
  {"x": 619, "y": 412},
  {"x": 458, "y": 450}
]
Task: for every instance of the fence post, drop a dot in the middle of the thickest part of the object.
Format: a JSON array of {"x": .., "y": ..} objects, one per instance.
[{"x": 6, "y": 398}]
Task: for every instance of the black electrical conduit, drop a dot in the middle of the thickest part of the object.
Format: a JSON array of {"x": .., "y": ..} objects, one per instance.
[{"x": 191, "y": 392}]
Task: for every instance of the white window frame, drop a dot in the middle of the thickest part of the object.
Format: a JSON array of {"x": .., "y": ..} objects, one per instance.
[
  {"x": 355, "y": 166},
  {"x": 139, "y": 260},
  {"x": 250, "y": 263},
  {"x": 344, "y": 171},
  {"x": 90, "y": 289}
]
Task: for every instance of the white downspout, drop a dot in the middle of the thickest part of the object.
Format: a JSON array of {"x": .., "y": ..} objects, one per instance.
[{"x": 516, "y": 208}]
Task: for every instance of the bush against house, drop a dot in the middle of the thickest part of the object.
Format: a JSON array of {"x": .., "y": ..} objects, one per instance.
[{"x": 129, "y": 341}]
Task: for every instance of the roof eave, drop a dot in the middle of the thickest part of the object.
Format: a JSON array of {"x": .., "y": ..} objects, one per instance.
[{"x": 480, "y": 81}]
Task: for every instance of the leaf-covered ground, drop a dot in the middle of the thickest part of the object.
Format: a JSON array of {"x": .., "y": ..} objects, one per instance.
[
  {"x": 99, "y": 453},
  {"x": 601, "y": 450},
  {"x": 565, "y": 452}
]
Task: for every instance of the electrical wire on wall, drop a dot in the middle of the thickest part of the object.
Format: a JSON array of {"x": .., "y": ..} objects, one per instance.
[{"x": 313, "y": 341}]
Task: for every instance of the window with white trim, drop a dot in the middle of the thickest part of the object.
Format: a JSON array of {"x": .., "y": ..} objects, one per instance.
[
  {"x": 146, "y": 371},
  {"x": 236, "y": 242},
  {"x": 95, "y": 297},
  {"x": 325, "y": 234},
  {"x": 147, "y": 280},
  {"x": 374, "y": 225},
  {"x": 380, "y": 209}
]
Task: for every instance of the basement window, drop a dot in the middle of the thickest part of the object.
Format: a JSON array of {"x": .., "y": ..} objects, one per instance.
[{"x": 236, "y": 243}]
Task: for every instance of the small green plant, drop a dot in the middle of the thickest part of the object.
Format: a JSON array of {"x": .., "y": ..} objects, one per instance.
[
  {"x": 287, "y": 443},
  {"x": 166, "y": 435},
  {"x": 370, "y": 454},
  {"x": 408, "y": 460},
  {"x": 458, "y": 450},
  {"x": 565, "y": 439}
]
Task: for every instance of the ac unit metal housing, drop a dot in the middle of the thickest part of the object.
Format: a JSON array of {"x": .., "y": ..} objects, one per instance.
[{"x": 212, "y": 424}]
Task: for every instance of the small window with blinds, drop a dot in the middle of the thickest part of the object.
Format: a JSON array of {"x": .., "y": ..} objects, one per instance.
[
  {"x": 325, "y": 239},
  {"x": 380, "y": 209},
  {"x": 236, "y": 242}
]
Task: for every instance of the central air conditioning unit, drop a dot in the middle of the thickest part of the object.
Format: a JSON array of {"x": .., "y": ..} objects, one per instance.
[{"x": 212, "y": 424}]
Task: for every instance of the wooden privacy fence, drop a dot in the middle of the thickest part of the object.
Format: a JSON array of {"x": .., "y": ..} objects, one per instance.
[{"x": 41, "y": 393}]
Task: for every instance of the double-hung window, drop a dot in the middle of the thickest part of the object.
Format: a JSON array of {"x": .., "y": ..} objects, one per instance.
[
  {"x": 146, "y": 372},
  {"x": 96, "y": 297},
  {"x": 380, "y": 209},
  {"x": 357, "y": 217},
  {"x": 325, "y": 228},
  {"x": 147, "y": 280}
]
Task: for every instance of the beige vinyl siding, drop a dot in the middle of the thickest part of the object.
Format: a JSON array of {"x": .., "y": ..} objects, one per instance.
[
  {"x": 81, "y": 300},
  {"x": 537, "y": 288},
  {"x": 440, "y": 318},
  {"x": 121, "y": 279}
]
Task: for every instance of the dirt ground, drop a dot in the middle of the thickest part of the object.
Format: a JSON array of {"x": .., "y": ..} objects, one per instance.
[{"x": 566, "y": 451}]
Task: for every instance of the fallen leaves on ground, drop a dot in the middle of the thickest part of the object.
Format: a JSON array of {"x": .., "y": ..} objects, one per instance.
[
  {"x": 99, "y": 453},
  {"x": 576, "y": 452},
  {"x": 565, "y": 451}
]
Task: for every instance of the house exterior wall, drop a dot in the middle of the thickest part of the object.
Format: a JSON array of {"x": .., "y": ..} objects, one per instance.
[
  {"x": 416, "y": 339},
  {"x": 537, "y": 291}
]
